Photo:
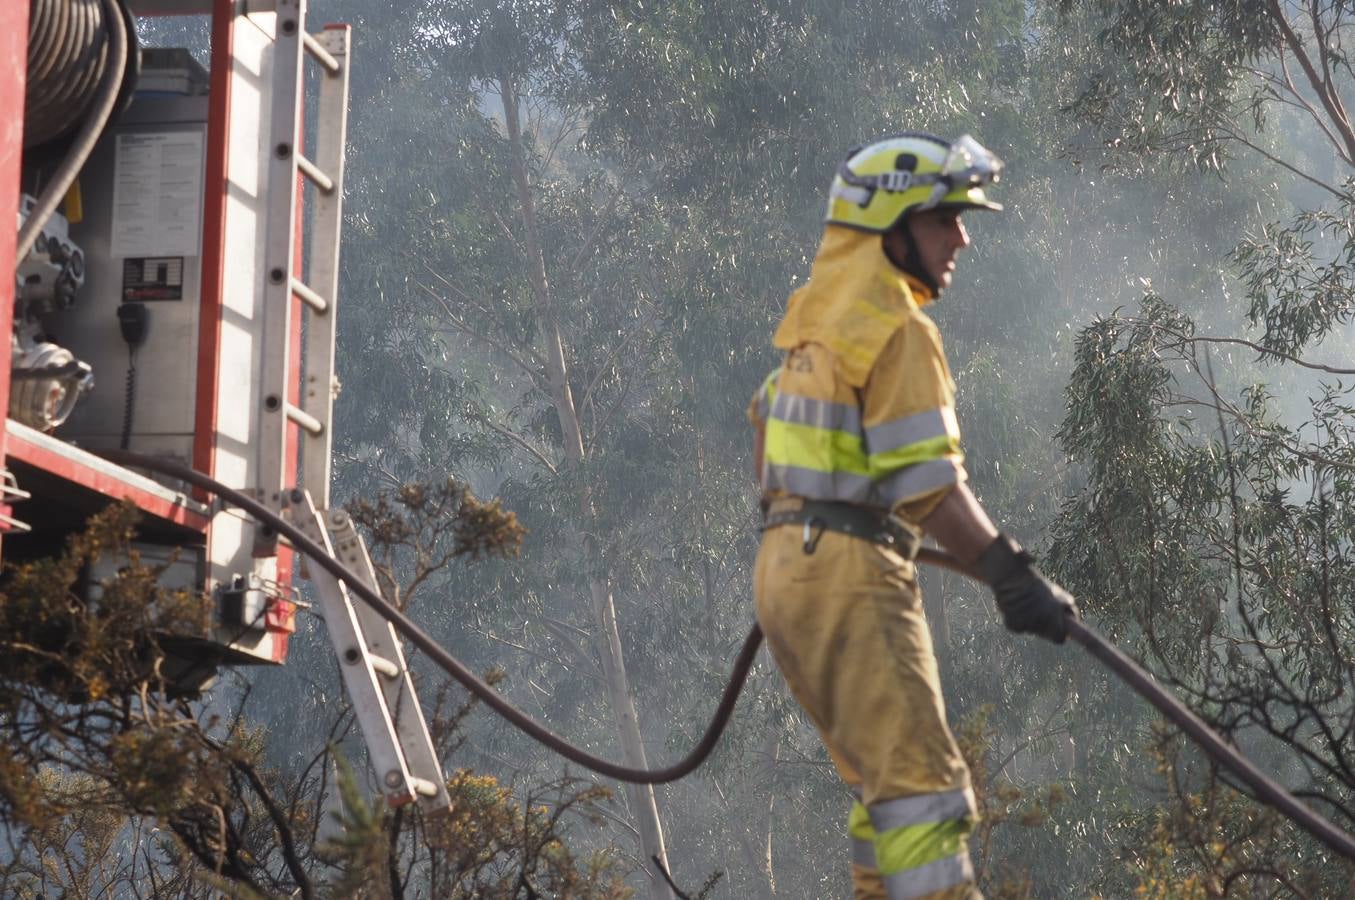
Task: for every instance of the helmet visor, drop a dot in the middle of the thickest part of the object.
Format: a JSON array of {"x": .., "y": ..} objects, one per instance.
[{"x": 969, "y": 163}]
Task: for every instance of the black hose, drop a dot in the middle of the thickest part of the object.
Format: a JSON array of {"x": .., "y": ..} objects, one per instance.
[
  {"x": 68, "y": 43},
  {"x": 1266, "y": 790},
  {"x": 68, "y": 56},
  {"x": 450, "y": 664}
]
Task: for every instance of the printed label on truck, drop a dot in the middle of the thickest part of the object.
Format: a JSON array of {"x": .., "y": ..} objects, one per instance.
[
  {"x": 152, "y": 278},
  {"x": 157, "y": 193}
]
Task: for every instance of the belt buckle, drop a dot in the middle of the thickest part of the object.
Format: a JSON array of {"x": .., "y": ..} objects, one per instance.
[{"x": 810, "y": 541}]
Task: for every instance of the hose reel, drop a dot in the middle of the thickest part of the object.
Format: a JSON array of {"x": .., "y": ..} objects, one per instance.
[{"x": 69, "y": 46}]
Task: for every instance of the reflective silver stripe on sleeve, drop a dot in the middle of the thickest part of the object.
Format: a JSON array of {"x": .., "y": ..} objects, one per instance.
[
  {"x": 818, "y": 413},
  {"x": 818, "y": 485},
  {"x": 918, "y": 479},
  {"x": 890, "y": 814},
  {"x": 934, "y": 876},
  {"x": 863, "y": 853},
  {"x": 911, "y": 429}
]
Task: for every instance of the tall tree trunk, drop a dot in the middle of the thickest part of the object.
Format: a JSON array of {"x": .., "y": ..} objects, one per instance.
[
  {"x": 754, "y": 842},
  {"x": 644, "y": 807}
]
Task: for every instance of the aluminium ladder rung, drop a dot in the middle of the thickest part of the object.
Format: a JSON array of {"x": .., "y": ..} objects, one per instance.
[
  {"x": 322, "y": 181},
  {"x": 319, "y": 53},
  {"x": 378, "y": 664},
  {"x": 309, "y": 296},
  {"x": 384, "y": 666},
  {"x": 307, "y": 422},
  {"x": 423, "y": 787}
]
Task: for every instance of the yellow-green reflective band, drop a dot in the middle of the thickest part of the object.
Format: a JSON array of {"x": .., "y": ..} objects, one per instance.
[
  {"x": 927, "y": 880},
  {"x": 890, "y": 461},
  {"x": 859, "y": 825},
  {"x": 862, "y": 833},
  {"x": 914, "y": 846},
  {"x": 920, "y": 479},
  {"x": 807, "y": 447},
  {"x": 908, "y": 430}
]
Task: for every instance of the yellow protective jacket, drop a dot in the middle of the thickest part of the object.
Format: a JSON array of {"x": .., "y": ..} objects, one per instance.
[{"x": 863, "y": 408}]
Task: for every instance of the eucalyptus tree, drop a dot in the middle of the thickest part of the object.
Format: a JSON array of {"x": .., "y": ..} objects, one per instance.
[
  {"x": 574, "y": 227},
  {"x": 1213, "y": 531}
]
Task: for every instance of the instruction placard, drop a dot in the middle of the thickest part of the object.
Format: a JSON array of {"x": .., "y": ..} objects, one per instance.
[{"x": 157, "y": 193}]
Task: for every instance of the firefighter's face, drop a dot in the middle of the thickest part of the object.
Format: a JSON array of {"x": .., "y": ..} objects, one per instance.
[{"x": 939, "y": 236}]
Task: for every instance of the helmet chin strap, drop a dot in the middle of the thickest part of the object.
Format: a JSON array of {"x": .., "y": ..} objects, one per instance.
[{"x": 911, "y": 262}]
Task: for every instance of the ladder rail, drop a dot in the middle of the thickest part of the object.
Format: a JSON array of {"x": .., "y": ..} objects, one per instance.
[
  {"x": 284, "y": 130},
  {"x": 320, "y": 385}
]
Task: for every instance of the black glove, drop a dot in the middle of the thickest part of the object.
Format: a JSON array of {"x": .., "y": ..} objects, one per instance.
[{"x": 1028, "y": 601}]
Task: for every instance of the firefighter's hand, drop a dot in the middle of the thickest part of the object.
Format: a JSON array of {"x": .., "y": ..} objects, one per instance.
[{"x": 1029, "y": 602}]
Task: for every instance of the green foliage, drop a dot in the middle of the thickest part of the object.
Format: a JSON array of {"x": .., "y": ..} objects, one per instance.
[
  {"x": 110, "y": 783},
  {"x": 1205, "y": 508},
  {"x": 674, "y": 157},
  {"x": 52, "y": 633},
  {"x": 1298, "y": 276},
  {"x": 1173, "y": 77}
]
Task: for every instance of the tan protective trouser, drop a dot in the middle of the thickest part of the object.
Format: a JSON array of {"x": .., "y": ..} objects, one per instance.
[{"x": 846, "y": 627}]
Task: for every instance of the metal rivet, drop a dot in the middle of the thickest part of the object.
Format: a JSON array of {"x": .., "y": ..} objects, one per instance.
[
  {"x": 394, "y": 779},
  {"x": 283, "y": 150},
  {"x": 276, "y": 275},
  {"x": 272, "y": 403},
  {"x": 351, "y": 655},
  {"x": 289, "y": 26}
]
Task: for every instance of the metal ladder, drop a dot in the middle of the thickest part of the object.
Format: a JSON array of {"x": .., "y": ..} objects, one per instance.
[
  {"x": 371, "y": 661},
  {"x": 294, "y": 308},
  {"x": 372, "y": 664}
]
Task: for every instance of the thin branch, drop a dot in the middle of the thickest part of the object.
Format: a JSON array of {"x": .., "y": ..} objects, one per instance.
[
  {"x": 597, "y": 231},
  {"x": 1264, "y": 351},
  {"x": 639, "y": 328},
  {"x": 282, "y": 827},
  {"x": 1312, "y": 111},
  {"x": 1233, "y": 135},
  {"x": 1314, "y": 78},
  {"x": 522, "y": 442},
  {"x": 525, "y": 364},
  {"x": 521, "y": 648}
]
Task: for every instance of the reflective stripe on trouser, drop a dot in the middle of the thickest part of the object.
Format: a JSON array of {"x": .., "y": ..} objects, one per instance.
[
  {"x": 846, "y": 628},
  {"x": 903, "y": 849}
]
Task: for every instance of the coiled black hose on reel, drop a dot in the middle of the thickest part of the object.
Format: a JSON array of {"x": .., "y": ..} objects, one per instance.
[
  {"x": 1264, "y": 789},
  {"x": 79, "y": 56},
  {"x": 70, "y": 50}
]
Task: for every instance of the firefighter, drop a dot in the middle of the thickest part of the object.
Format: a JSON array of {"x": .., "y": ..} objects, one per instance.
[{"x": 859, "y": 455}]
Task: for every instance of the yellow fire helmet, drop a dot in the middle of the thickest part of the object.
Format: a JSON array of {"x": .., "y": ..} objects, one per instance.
[{"x": 880, "y": 183}]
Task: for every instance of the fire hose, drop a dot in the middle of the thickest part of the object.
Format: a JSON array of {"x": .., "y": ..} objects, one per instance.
[{"x": 1265, "y": 789}]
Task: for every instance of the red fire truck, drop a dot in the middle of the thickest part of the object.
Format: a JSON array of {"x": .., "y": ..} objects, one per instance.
[{"x": 176, "y": 287}]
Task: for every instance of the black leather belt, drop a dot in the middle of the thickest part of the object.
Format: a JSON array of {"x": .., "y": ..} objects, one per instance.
[{"x": 818, "y": 516}]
